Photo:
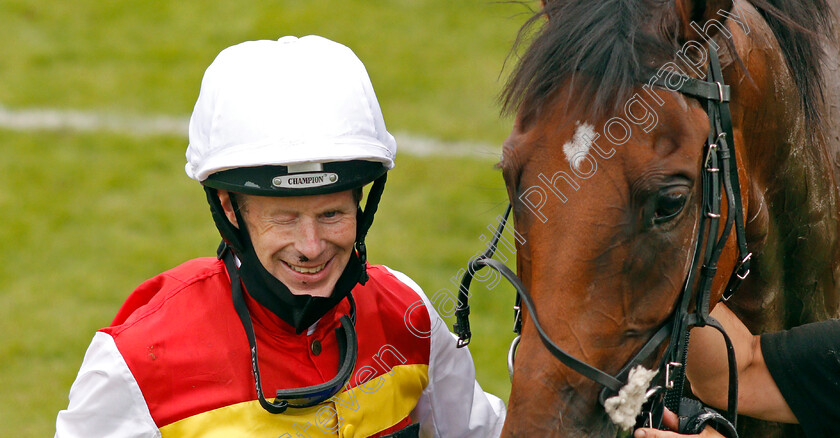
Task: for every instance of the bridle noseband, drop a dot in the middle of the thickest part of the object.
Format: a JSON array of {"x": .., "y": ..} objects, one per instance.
[{"x": 719, "y": 172}]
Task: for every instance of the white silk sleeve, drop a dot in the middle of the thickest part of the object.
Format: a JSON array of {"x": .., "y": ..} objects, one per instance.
[
  {"x": 453, "y": 404},
  {"x": 105, "y": 400}
]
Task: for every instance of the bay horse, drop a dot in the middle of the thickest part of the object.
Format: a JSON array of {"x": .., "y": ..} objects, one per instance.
[{"x": 602, "y": 171}]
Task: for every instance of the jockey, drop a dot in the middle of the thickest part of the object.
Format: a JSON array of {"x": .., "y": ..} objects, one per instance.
[{"x": 288, "y": 332}]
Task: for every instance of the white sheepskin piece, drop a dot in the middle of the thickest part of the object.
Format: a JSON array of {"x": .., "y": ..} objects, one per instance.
[{"x": 627, "y": 405}]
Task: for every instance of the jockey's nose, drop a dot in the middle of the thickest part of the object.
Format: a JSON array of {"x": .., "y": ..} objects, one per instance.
[{"x": 309, "y": 242}]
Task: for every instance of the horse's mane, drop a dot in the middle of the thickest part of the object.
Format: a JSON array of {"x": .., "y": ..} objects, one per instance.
[
  {"x": 797, "y": 26},
  {"x": 605, "y": 49}
]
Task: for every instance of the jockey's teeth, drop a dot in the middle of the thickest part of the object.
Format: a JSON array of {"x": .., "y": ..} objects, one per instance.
[{"x": 303, "y": 270}]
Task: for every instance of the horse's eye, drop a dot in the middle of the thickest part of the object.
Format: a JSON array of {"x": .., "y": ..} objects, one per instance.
[{"x": 669, "y": 203}]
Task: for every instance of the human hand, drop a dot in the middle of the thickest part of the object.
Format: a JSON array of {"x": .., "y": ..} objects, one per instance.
[{"x": 671, "y": 421}]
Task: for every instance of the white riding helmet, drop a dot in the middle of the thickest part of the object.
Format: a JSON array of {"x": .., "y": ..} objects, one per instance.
[
  {"x": 292, "y": 117},
  {"x": 296, "y": 116}
]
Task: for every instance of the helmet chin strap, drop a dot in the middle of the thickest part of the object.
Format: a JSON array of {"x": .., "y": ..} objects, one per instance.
[
  {"x": 364, "y": 219},
  {"x": 299, "y": 311},
  {"x": 297, "y": 397}
]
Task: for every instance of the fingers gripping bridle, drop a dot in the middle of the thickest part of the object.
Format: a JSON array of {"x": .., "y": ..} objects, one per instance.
[{"x": 719, "y": 173}]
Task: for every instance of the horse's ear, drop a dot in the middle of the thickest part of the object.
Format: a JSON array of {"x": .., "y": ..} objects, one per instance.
[{"x": 700, "y": 19}]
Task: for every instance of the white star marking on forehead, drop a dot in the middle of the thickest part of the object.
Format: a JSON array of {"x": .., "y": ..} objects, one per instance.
[{"x": 578, "y": 147}]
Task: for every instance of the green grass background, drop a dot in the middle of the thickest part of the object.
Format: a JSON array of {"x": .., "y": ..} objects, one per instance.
[{"x": 88, "y": 216}]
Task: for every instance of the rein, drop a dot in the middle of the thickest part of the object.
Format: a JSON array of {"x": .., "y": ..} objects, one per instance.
[{"x": 719, "y": 171}]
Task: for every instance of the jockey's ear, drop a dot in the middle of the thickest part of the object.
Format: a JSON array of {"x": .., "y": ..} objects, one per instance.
[
  {"x": 227, "y": 206},
  {"x": 702, "y": 20}
]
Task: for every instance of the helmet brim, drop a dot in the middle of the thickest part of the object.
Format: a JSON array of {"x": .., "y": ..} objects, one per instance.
[{"x": 332, "y": 177}]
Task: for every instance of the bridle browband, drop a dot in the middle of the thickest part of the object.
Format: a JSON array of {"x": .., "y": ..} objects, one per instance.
[{"x": 719, "y": 171}]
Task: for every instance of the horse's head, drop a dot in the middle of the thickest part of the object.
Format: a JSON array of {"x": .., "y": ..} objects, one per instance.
[{"x": 603, "y": 171}]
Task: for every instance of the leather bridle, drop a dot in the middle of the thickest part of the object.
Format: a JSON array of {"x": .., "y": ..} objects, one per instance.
[{"x": 719, "y": 174}]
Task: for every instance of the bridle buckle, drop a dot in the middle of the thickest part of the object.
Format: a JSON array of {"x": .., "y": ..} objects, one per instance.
[
  {"x": 720, "y": 91},
  {"x": 669, "y": 381},
  {"x": 653, "y": 407},
  {"x": 707, "y": 163},
  {"x": 517, "y": 319},
  {"x": 741, "y": 264}
]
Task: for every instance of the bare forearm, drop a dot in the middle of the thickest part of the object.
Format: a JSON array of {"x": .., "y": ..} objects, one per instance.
[
  {"x": 758, "y": 395},
  {"x": 707, "y": 359}
]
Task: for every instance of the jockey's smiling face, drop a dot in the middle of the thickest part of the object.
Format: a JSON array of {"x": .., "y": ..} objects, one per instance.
[{"x": 304, "y": 241}]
